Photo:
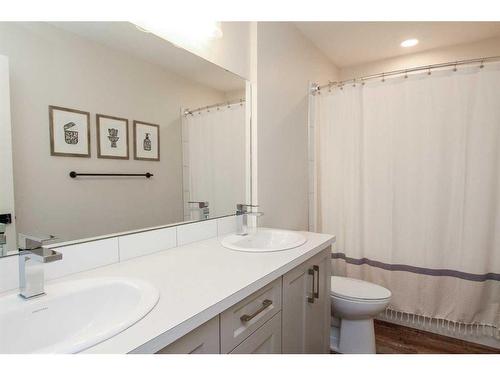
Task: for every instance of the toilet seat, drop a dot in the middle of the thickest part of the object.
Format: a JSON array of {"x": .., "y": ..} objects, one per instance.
[{"x": 358, "y": 290}]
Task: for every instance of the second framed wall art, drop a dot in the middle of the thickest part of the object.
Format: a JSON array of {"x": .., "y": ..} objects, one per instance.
[{"x": 112, "y": 137}]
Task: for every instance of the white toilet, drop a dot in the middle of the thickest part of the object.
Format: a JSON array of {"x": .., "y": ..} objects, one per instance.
[{"x": 356, "y": 302}]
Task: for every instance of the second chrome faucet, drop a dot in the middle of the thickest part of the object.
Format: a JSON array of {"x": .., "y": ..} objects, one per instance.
[{"x": 242, "y": 212}]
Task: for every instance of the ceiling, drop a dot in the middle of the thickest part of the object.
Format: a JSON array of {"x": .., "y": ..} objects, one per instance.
[
  {"x": 354, "y": 43},
  {"x": 126, "y": 37}
]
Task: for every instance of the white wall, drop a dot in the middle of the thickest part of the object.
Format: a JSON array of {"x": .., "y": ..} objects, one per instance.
[
  {"x": 49, "y": 66},
  {"x": 484, "y": 48},
  {"x": 286, "y": 62},
  {"x": 231, "y": 51}
]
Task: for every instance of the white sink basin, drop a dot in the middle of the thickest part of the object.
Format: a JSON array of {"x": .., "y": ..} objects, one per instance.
[
  {"x": 264, "y": 240},
  {"x": 74, "y": 315}
]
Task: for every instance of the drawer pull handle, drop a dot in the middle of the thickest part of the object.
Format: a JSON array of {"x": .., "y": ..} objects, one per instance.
[
  {"x": 316, "y": 292},
  {"x": 311, "y": 272},
  {"x": 265, "y": 304}
]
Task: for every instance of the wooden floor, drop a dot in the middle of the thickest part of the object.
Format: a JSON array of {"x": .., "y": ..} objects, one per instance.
[{"x": 396, "y": 339}]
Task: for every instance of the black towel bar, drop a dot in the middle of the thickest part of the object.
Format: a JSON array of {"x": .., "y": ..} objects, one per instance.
[{"x": 74, "y": 174}]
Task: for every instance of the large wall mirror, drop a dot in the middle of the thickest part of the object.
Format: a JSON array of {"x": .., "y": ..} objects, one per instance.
[{"x": 107, "y": 128}]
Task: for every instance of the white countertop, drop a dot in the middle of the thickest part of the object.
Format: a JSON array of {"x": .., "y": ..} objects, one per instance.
[{"x": 196, "y": 282}]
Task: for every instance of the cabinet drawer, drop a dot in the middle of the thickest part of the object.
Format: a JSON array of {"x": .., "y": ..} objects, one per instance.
[
  {"x": 244, "y": 318},
  {"x": 266, "y": 340},
  {"x": 202, "y": 340}
]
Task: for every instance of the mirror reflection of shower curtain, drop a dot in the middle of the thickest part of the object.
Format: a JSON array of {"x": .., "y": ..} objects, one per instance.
[
  {"x": 409, "y": 181},
  {"x": 214, "y": 158}
]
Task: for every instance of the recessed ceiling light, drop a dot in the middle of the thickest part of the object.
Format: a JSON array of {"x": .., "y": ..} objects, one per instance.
[{"x": 409, "y": 43}]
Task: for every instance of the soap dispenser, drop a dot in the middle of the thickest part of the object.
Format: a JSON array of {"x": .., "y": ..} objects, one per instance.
[{"x": 147, "y": 143}]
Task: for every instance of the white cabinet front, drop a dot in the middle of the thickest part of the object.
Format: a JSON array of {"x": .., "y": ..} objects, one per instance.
[
  {"x": 266, "y": 340},
  {"x": 306, "y": 306},
  {"x": 202, "y": 340},
  {"x": 244, "y": 318}
]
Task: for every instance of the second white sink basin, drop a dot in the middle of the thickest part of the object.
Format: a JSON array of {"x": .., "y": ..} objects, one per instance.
[
  {"x": 73, "y": 315},
  {"x": 264, "y": 240}
]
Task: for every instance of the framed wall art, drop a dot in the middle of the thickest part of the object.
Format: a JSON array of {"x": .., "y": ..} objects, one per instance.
[
  {"x": 69, "y": 132},
  {"x": 146, "y": 141},
  {"x": 112, "y": 137}
]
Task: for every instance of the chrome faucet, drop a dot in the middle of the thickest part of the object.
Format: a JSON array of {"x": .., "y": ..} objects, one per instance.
[
  {"x": 32, "y": 256},
  {"x": 242, "y": 212},
  {"x": 204, "y": 211}
]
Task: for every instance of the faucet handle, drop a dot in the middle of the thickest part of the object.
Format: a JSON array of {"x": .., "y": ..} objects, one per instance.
[
  {"x": 30, "y": 242},
  {"x": 201, "y": 204},
  {"x": 45, "y": 255},
  {"x": 242, "y": 206},
  {"x": 256, "y": 214}
]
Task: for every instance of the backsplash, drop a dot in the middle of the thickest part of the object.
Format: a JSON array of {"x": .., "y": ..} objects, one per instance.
[{"x": 102, "y": 252}]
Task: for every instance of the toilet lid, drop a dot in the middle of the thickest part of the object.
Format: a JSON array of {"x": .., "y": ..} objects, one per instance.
[{"x": 358, "y": 289}]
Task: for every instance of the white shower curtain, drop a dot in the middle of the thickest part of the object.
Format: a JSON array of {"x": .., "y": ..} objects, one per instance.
[
  {"x": 214, "y": 158},
  {"x": 408, "y": 178}
]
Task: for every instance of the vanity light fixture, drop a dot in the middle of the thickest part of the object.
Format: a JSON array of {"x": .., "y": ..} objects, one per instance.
[
  {"x": 195, "y": 32},
  {"x": 409, "y": 43}
]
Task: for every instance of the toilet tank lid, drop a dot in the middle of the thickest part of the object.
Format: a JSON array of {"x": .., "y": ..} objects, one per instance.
[{"x": 359, "y": 289}]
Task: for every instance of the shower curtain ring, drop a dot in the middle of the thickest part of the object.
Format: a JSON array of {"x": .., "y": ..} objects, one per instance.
[
  {"x": 429, "y": 72},
  {"x": 482, "y": 64},
  {"x": 383, "y": 77},
  {"x": 406, "y": 74},
  {"x": 455, "y": 67}
]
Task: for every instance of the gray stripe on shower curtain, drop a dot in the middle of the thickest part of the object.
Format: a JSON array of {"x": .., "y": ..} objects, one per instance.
[{"x": 418, "y": 270}]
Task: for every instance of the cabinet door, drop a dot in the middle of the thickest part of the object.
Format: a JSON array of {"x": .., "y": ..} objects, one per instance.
[
  {"x": 296, "y": 290},
  {"x": 202, "y": 340},
  {"x": 318, "y": 314},
  {"x": 306, "y": 306},
  {"x": 266, "y": 340}
]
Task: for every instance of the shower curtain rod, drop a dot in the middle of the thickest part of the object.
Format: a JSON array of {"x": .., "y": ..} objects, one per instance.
[
  {"x": 316, "y": 88},
  {"x": 191, "y": 111}
]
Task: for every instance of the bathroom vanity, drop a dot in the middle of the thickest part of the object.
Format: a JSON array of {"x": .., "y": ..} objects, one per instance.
[
  {"x": 217, "y": 300},
  {"x": 210, "y": 299},
  {"x": 174, "y": 290},
  {"x": 289, "y": 315}
]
